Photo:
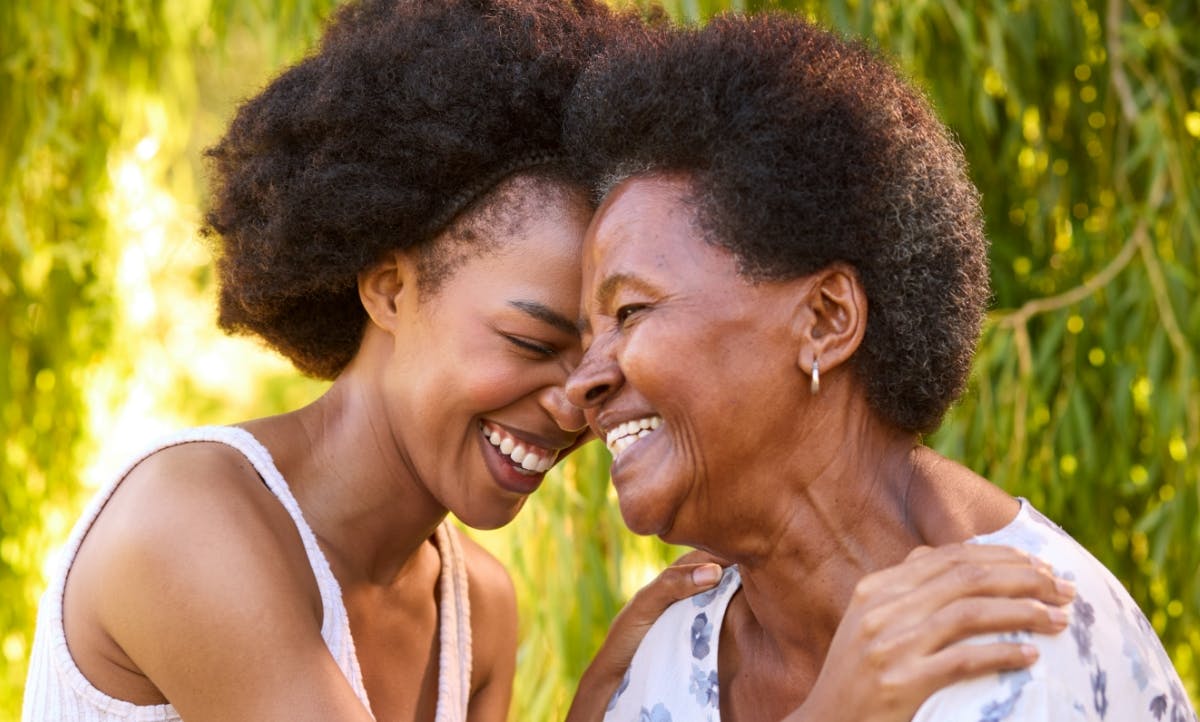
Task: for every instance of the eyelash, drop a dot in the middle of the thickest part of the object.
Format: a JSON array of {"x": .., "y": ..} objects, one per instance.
[
  {"x": 624, "y": 312},
  {"x": 529, "y": 346}
]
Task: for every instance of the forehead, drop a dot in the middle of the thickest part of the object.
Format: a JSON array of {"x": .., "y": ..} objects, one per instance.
[
  {"x": 528, "y": 255},
  {"x": 644, "y": 218}
]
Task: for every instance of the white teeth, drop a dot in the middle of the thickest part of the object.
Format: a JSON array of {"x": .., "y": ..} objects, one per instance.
[
  {"x": 530, "y": 458},
  {"x": 623, "y": 435}
]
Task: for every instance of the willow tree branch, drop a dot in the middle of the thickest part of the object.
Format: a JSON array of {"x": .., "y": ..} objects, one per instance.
[{"x": 1116, "y": 53}]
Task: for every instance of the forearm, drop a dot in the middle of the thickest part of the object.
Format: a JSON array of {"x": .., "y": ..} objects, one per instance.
[{"x": 596, "y": 688}]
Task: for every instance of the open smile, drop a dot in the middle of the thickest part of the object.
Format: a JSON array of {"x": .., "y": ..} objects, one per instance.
[
  {"x": 628, "y": 433},
  {"x": 526, "y": 457}
]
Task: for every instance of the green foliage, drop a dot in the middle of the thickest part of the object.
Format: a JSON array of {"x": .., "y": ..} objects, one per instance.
[
  {"x": 1080, "y": 120},
  {"x": 83, "y": 84}
]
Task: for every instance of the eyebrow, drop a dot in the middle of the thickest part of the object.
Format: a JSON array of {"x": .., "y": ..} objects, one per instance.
[
  {"x": 546, "y": 315},
  {"x": 608, "y": 288}
]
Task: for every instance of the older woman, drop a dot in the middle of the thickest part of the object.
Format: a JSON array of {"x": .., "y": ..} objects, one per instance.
[{"x": 783, "y": 289}]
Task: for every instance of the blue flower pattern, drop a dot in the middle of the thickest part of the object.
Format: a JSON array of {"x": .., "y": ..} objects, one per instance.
[
  {"x": 658, "y": 714},
  {"x": 1107, "y": 667},
  {"x": 674, "y": 672},
  {"x": 701, "y": 635},
  {"x": 612, "y": 702},
  {"x": 704, "y": 687}
]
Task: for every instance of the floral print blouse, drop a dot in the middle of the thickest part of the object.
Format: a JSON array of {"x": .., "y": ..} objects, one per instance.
[{"x": 1107, "y": 666}]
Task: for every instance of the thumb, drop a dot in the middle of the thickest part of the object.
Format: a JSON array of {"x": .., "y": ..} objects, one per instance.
[{"x": 676, "y": 582}]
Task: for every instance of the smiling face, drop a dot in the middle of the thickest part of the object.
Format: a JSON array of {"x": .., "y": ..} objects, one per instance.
[
  {"x": 473, "y": 368},
  {"x": 690, "y": 374}
]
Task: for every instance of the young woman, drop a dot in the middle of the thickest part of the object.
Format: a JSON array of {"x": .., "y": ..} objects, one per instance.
[{"x": 393, "y": 213}]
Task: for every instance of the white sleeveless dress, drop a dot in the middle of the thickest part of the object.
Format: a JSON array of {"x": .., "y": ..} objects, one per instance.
[{"x": 56, "y": 691}]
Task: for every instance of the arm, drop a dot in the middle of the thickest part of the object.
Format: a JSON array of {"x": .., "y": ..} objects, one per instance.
[
  {"x": 690, "y": 574},
  {"x": 895, "y": 644},
  {"x": 197, "y": 574}
]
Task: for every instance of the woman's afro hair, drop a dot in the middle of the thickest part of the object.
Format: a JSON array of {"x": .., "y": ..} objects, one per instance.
[
  {"x": 372, "y": 144},
  {"x": 803, "y": 149}
]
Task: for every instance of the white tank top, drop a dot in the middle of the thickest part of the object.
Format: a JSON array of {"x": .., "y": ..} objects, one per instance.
[{"x": 56, "y": 691}]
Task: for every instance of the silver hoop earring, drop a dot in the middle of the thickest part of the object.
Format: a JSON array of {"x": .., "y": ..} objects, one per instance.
[{"x": 816, "y": 377}]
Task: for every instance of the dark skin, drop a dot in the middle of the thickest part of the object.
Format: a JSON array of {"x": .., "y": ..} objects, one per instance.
[
  {"x": 826, "y": 492},
  {"x": 193, "y": 586},
  {"x": 167, "y": 598}
]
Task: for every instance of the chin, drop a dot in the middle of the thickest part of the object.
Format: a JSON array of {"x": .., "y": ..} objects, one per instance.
[
  {"x": 488, "y": 519},
  {"x": 643, "y": 519}
]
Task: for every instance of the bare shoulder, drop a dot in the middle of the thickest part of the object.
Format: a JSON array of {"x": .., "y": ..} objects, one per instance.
[
  {"x": 190, "y": 553},
  {"x": 201, "y": 508},
  {"x": 196, "y": 492},
  {"x": 953, "y": 503}
]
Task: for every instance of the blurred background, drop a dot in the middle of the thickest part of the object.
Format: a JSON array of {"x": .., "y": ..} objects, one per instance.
[{"x": 1081, "y": 121}]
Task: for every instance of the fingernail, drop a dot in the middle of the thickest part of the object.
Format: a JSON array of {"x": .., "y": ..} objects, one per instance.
[
  {"x": 1058, "y": 617},
  {"x": 706, "y": 575},
  {"x": 1065, "y": 587},
  {"x": 1030, "y": 652}
]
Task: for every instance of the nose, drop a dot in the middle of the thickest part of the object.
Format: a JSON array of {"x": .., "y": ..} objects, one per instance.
[
  {"x": 597, "y": 377},
  {"x": 568, "y": 416}
]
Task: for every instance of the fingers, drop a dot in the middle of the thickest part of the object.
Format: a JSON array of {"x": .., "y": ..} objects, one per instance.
[
  {"x": 678, "y": 581},
  {"x": 958, "y": 570},
  {"x": 926, "y": 563},
  {"x": 962, "y": 662},
  {"x": 996, "y": 580},
  {"x": 969, "y": 617}
]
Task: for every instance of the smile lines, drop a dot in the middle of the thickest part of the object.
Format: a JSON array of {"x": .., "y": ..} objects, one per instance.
[
  {"x": 530, "y": 458},
  {"x": 625, "y": 434}
]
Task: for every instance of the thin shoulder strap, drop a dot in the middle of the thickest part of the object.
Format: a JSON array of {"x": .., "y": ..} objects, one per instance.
[
  {"x": 454, "y": 660},
  {"x": 335, "y": 622}
]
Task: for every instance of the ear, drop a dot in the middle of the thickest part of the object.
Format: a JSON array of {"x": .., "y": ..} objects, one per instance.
[
  {"x": 386, "y": 285},
  {"x": 831, "y": 319}
]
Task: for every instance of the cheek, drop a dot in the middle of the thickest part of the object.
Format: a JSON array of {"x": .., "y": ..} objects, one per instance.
[{"x": 492, "y": 384}]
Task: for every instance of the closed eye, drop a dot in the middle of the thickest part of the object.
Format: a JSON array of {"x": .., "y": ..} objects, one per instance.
[{"x": 530, "y": 346}]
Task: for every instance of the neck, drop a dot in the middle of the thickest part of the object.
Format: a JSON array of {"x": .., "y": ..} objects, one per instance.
[
  {"x": 842, "y": 513},
  {"x": 353, "y": 481}
]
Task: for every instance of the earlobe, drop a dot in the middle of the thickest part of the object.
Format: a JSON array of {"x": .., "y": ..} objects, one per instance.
[
  {"x": 384, "y": 286},
  {"x": 831, "y": 320}
]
